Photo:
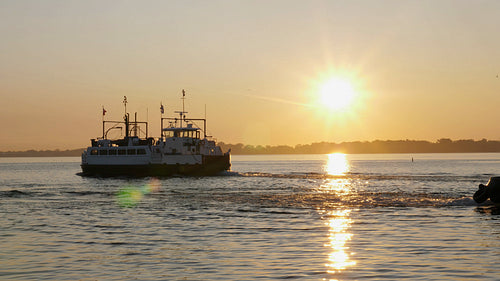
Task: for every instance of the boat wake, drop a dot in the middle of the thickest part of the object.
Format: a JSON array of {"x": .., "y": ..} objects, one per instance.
[
  {"x": 366, "y": 176},
  {"x": 363, "y": 190},
  {"x": 288, "y": 190},
  {"x": 355, "y": 200}
]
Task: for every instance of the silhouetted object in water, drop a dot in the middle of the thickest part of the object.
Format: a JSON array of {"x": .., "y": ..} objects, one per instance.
[{"x": 491, "y": 190}]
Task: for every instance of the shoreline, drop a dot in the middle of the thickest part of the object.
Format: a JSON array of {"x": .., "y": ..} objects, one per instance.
[{"x": 355, "y": 147}]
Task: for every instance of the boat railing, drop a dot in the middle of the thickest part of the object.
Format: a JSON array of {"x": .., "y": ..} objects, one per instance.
[
  {"x": 133, "y": 128},
  {"x": 176, "y": 123}
]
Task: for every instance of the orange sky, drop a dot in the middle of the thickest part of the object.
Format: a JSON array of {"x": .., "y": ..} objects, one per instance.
[{"x": 419, "y": 69}]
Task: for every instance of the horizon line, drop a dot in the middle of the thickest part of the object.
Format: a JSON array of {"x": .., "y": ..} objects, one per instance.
[{"x": 277, "y": 145}]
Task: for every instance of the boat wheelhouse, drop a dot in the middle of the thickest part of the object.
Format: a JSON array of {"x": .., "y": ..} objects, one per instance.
[{"x": 182, "y": 149}]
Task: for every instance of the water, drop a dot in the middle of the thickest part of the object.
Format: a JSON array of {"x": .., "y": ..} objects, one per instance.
[{"x": 299, "y": 217}]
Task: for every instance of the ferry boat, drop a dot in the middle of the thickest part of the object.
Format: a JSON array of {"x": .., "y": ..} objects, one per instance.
[{"x": 183, "y": 149}]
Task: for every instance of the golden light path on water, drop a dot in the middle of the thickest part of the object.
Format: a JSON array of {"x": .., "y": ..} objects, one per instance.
[{"x": 338, "y": 220}]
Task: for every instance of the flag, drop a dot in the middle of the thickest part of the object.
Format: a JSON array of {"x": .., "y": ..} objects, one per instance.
[
  {"x": 103, "y": 111},
  {"x": 162, "y": 110},
  {"x": 183, "y": 93}
]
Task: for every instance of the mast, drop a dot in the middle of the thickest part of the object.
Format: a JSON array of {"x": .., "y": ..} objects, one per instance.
[
  {"x": 125, "y": 103},
  {"x": 183, "y": 98},
  {"x": 126, "y": 125},
  {"x": 162, "y": 110},
  {"x": 126, "y": 117},
  {"x": 182, "y": 113},
  {"x": 135, "y": 125},
  {"x": 103, "y": 113}
]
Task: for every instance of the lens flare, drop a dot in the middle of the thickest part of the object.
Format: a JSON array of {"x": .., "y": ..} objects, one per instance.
[{"x": 131, "y": 195}]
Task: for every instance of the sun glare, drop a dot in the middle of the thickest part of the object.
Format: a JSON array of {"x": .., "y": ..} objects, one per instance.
[
  {"x": 336, "y": 94},
  {"x": 337, "y": 164}
]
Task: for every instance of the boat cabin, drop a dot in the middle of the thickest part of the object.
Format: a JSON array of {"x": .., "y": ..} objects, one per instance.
[{"x": 186, "y": 132}]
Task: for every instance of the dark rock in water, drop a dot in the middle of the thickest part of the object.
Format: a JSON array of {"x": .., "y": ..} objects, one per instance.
[
  {"x": 481, "y": 195},
  {"x": 490, "y": 190},
  {"x": 494, "y": 189}
]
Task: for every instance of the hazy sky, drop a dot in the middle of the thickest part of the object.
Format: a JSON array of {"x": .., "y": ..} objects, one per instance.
[{"x": 418, "y": 69}]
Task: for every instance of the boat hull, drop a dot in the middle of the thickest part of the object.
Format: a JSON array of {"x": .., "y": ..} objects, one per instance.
[{"x": 211, "y": 165}]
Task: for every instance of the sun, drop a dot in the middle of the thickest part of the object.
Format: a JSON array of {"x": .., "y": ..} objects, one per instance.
[{"x": 336, "y": 94}]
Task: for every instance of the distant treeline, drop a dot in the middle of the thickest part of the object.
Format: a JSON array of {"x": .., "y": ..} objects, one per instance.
[
  {"x": 378, "y": 146},
  {"x": 357, "y": 147},
  {"x": 43, "y": 153}
]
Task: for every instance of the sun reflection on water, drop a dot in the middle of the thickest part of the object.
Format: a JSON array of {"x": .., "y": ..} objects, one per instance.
[
  {"x": 337, "y": 164},
  {"x": 338, "y": 220},
  {"x": 339, "y": 224}
]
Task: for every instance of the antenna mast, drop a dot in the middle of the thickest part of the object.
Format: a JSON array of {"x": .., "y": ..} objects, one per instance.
[
  {"x": 125, "y": 103},
  {"x": 182, "y": 113},
  {"x": 183, "y": 98}
]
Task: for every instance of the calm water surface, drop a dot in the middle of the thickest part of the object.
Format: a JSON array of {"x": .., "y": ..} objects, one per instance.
[{"x": 299, "y": 217}]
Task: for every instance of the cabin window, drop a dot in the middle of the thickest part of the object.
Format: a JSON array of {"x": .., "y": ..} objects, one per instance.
[
  {"x": 131, "y": 152},
  {"x": 122, "y": 152},
  {"x": 93, "y": 152},
  {"x": 112, "y": 152},
  {"x": 103, "y": 152},
  {"x": 141, "y": 151},
  {"x": 187, "y": 134}
]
